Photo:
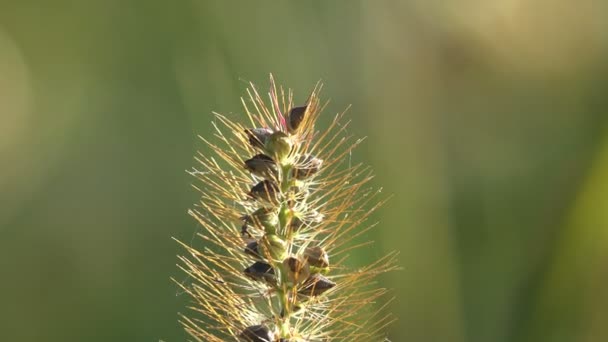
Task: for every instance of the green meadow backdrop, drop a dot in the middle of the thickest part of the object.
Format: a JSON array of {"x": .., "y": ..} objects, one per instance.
[{"x": 487, "y": 122}]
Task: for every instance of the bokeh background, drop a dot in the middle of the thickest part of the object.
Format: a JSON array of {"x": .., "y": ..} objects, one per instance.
[{"x": 487, "y": 122}]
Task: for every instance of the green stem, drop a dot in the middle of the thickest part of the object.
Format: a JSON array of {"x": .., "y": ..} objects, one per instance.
[{"x": 285, "y": 287}]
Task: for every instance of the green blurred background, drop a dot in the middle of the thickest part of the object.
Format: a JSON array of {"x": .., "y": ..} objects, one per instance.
[{"x": 487, "y": 121}]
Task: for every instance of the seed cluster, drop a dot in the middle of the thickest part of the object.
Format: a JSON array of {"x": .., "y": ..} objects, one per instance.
[
  {"x": 271, "y": 232},
  {"x": 275, "y": 206}
]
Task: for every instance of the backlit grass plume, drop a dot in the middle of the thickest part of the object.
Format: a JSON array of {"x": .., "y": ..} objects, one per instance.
[{"x": 281, "y": 209}]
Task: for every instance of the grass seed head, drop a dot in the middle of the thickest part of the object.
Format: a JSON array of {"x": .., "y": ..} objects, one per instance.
[{"x": 278, "y": 200}]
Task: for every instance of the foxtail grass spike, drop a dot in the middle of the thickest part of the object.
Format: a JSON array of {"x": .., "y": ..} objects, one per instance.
[{"x": 281, "y": 210}]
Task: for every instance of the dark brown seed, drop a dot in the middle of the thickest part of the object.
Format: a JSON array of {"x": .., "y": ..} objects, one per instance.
[
  {"x": 267, "y": 191},
  {"x": 257, "y": 333},
  {"x": 298, "y": 270},
  {"x": 296, "y": 116},
  {"x": 306, "y": 165},
  {"x": 258, "y": 136},
  {"x": 260, "y": 271},
  {"x": 252, "y": 249},
  {"x": 294, "y": 264},
  {"x": 316, "y": 256},
  {"x": 315, "y": 285},
  {"x": 263, "y": 166}
]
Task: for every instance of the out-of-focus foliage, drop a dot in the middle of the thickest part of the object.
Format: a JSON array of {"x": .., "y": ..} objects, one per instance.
[{"x": 487, "y": 121}]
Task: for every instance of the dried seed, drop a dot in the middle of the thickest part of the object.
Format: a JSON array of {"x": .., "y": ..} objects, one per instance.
[
  {"x": 267, "y": 191},
  {"x": 263, "y": 166},
  {"x": 296, "y": 116},
  {"x": 315, "y": 285},
  {"x": 252, "y": 249},
  {"x": 297, "y": 270},
  {"x": 316, "y": 256},
  {"x": 260, "y": 271},
  {"x": 258, "y": 136},
  {"x": 257, "y": 333}
]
